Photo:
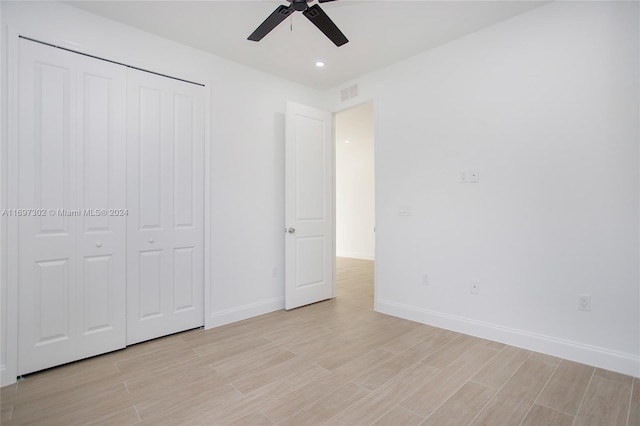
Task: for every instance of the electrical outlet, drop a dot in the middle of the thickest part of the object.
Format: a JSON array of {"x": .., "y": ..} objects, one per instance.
[
  {"x": 475, "y": 287},
  {"x": 425, "y": 279},
  {"x": 584, "y": 302},
  {"x": 274, "y": 272},
  {"x": 464, "y": 176}
]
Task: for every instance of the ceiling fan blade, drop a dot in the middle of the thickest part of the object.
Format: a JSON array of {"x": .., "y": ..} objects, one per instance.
[
  {"x": 272, "y": 21},
  {"x": 325, "y": 1},
  {"x": 320, "y": 19}
]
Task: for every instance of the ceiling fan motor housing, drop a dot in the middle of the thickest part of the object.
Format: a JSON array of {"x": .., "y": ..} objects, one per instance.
[{"x": 299, "y": 5}]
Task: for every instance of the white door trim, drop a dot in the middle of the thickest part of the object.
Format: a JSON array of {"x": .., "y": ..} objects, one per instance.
[{"x": 10, "y": 151}]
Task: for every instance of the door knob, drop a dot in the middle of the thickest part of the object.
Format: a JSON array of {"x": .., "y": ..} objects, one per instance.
[
  {"x": 98, "y": 244},
  {"x": 291, "y": 230},
  {"x": 151, "y": 240}
]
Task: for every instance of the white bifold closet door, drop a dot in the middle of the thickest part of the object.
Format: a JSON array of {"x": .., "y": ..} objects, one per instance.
[
  {"x": 72, "y": 155},
  {"x": 165, "y": 228},
  {"x": 96, "y": 137}
]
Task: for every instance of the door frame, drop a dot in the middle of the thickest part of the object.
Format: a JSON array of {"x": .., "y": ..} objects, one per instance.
[
  {"x": 333, "y": 112},
  {"x": 9, "y": 191}
]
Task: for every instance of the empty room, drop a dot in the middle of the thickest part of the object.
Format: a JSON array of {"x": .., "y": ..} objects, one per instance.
[{"x": 196, "y": 230}]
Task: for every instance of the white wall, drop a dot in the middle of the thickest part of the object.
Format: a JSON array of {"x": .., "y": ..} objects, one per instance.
[
  {"x": 546, "y": 106},
  {"x": 245, "y": 142},
  {"x": 355, "y": 183}
]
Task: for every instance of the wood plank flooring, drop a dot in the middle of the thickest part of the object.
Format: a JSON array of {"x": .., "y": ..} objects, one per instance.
[{"x": 335, "y": 363}]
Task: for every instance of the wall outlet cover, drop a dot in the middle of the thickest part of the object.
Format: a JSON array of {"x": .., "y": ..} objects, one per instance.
[{"x": 584, "y": 302}]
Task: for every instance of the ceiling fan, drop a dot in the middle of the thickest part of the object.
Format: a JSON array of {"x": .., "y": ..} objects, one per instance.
[{"x": 313, "y": 13}]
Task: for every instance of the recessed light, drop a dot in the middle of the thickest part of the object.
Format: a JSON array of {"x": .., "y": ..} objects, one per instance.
[{"x": 319, "y": 64}]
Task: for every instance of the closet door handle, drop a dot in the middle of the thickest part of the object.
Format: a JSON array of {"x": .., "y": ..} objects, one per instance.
[
  {"x": 98, "y": 243},
  {"x": 151, "y": 240}
]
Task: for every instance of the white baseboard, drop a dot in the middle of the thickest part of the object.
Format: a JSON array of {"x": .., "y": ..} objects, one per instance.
[
  {"x": 355, "y": 255},
  {"x": 607, "y": 359},
  {"x": 240, "y": 313}
]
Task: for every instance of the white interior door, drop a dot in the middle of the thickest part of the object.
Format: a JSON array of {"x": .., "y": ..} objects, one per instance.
[
  {"x": 165, "y": 228},
  {"x": 309, "y": 241},
  {"x": 71, "y": 168}
]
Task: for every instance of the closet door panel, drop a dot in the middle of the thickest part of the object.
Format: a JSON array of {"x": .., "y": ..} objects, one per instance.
[
  {"x": 71, "y": 289},
  {"x": 52, "y": 296},
  {"x": 53, "y": 139},
  {"x": 149, "y": 295},
  {"x": 188, "y": 204},
  {"x": 97, "y": 282},
  {"x": 184, "y": 281},
  {"x": 165, "y": 190},
  {"x": 148, "y": 158},
  {"x": 101, "y": 177},
  {"x": 185, "y": 165},
  {"x": 46, "y": 182}
]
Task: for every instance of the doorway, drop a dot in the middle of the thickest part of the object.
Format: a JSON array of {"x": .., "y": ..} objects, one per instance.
[{"x": 355, "y": 191}]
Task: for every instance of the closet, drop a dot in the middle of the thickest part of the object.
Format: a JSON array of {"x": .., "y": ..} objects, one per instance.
[{"x": 111, "y": 168}]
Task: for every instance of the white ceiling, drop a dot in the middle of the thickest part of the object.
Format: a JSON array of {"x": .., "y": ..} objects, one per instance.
[{"x": 379, "y": 32}]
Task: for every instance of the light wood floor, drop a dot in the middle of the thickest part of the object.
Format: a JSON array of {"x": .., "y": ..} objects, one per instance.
[{"x": 336, "y": 363}]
